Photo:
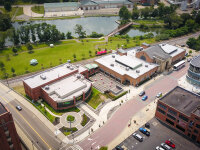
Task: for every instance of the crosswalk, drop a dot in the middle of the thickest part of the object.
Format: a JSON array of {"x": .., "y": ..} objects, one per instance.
[{"x": 74, "y": 147}]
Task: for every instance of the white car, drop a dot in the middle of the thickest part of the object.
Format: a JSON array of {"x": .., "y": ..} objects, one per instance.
[
  {"x": 159, "y": 148},
  {"x": 18, "y": 108},
  {"x": 159, "y": 95}
]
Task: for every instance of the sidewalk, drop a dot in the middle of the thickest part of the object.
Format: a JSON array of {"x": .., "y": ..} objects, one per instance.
[
  {"x": 146, "y": 114},
  {"x": 29, "y": 106}
]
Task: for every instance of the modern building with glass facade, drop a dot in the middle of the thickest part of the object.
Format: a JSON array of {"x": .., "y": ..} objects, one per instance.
[
  {"x": 180, "y": 109},
  {"x": 193, "y": 75}
]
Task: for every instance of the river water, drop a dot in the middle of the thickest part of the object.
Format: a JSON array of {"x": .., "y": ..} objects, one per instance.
[{"x": 103, "y": 25}]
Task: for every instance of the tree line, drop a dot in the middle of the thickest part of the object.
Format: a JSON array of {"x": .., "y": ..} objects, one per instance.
[{"x": 194, "y": 43}]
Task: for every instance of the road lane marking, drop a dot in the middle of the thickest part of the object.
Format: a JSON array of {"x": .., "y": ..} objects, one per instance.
[{"x": 26, "y": 121}]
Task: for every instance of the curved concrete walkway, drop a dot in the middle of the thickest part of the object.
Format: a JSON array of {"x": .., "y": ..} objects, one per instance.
[
  {"x": 76, "y": 123},
  {"x": 27, "y": 11}
]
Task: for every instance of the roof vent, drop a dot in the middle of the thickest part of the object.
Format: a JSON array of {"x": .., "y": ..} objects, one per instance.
[
  {"x": 112, "y": 65},
  {"x": 77, "y": 66},
  {"x": 78, "y": 76},
  {"x": 68, "y": 65},
  {"x": 71, "y": 68},
  {"x": 137, "y": 71},
  {"x": 43, "y": 77},
  {"x": 113, "y": 56},
  {"x": 127, "y": 68},
  {"x": 46, "y": 87},
  {"x": 163, "y": 44},
  {"x": 146, "y": 66}
]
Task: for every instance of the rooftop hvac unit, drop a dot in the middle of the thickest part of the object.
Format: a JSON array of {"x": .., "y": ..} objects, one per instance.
[
  {"x": 71, "y": 68},
  {"x": 127, "y": 68},
  {"x": 112, "y": 65},
  {"x": 77, "y": 66},
  {"x": 163, "y": 44},
  {"x": 78, "y": 76},
  {"x": 43, "y": 77},
  {"x": 113, "y": 56},
  {"x": 137, "y": 71},
  {"x": 146, "y": 65},
  {"x": 68, "y": 65},
  {"x": 46, "y": 87}
]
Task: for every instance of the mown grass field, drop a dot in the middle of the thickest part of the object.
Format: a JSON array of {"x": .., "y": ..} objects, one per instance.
[
  {"x": 38, "y": 9},
  {"x": 19, "y": 11},
  {"x": 48, "y": 57}
]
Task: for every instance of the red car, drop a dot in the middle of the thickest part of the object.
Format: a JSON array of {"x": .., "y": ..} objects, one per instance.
[{"x": 168, "y": 142}]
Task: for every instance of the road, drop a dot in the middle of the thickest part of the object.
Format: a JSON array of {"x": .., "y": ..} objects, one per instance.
[
  {"x": 35, "y": 129},
  {"x": 119, "y": 120}
]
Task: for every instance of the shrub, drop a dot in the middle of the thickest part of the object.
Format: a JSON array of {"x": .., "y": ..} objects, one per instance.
[
  {"x": 70, "y": 118},
  {"x": 85, "y": 120}
]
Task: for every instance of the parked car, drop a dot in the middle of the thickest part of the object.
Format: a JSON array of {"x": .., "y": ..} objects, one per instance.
[
  {"x": 159, "y": 95},
  {"x": 119, "y": 148},
  {"x": 189, "y": 59},
  {"x": 142, "y": 93},
  {"x": 144, "y": 98},
  {"x": 144, "y": 131},
  {"x": 18, "y": 108},
  {"x": 138, "y": 137},
  {"x": 170, "y": 143},
  {"x": 147, "y": 125},
  {"x": 159, "y": 148},
  {"x": 165, "y": 146}
]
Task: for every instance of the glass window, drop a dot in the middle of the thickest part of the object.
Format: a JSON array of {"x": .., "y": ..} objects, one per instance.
[
  {"x": 195, "y": 131},
  {"x": 171, "y": 117},
  {"x": 172, "y": 112},
  {"x": 169, "y": 121},
  {"x": 198, "y": 126},
  {"x": 180, "y": 128},
  {"x": 161, "y": 111},
  {"x": 183, "y": 118},
  {"x": 162, "y": 106}
]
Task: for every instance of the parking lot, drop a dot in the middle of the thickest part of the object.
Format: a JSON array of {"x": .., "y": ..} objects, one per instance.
[
  {"x": 159, "y": 134},
  {"x": 104, "y": 83}
]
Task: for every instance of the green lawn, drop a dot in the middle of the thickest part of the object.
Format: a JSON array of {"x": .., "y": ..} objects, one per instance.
[
  {"x": 95, "y": 98},
  {"x": 149, "y": 21},
  {"x": 68, "y": 131},
  {"x": 38, "y": 9},
  {"x": 12, "y": 12},
  {"x": 60, "y": 53},
  {"x": 20, "y": 11}
]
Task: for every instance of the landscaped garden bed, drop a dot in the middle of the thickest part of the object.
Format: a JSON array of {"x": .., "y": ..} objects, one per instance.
[
  {"x": 85, "y": 120},
  {"x": 68, "y": 131}
]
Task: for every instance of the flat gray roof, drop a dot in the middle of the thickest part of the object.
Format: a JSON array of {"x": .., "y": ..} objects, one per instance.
[
  {"x": 65, "y": 89},
  {"x": 52, "y": 74},
  {"x": 196, "y": 61},
  {"x": 182, "y": 100},
  {"x": 119, "y": 64}
]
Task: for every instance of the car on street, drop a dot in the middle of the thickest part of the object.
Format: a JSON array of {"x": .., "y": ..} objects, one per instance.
[
  {"x": 144, "y": 131},
  {"x": 189, "y": 59},
  {"x": 159, "y": 148},
  {"x": 170, "y": 143},
  {"x": 165, "y": 146},
  {"x": 119, "y": 148},
  {"x": 142, "y": 93},
  {"x": 138, "y": 137},
  {"x": 159, "y": 95},
  {"x": 144, "y": 97},
  {"x": 147, "y": 125},
  {"x": 18, "y": 108}
]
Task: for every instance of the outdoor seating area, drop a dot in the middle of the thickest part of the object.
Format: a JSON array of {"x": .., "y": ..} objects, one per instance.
[{"x": 104, "y": 83}]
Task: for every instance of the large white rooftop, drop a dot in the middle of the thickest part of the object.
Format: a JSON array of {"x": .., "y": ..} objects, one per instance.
[
  {"x": 126, "y": 65},
  {"x": 171, "y": 49},
  {"x": 52, "y": 74},
  {"x": 66, "y": 88}
]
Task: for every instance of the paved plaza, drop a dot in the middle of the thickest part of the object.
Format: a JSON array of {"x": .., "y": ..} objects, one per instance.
[{"x": 103, "y": 82}]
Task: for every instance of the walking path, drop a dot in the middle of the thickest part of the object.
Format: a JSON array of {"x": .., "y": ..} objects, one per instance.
[{"x": 27, "y": 11}]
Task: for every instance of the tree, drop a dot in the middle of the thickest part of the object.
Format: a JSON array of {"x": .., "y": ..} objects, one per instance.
[
  {"x": 29, "y": 47},
  {"x": 190, "y": 24},
  {"x": 16, "y": 37},
  {"x": 69, "y": 35},
  {"x": 74, "y": 55},
  {"x": 79, "y": 30},
  {"x": 5, "y": 22},
  {"x": 2, "y": 41},
  {"x": 191, "y": 42},
  {"x": 7, "y": 6},
  {"x": 13, "y": 71},
  {"x": 14, "y": 50},
  {"x": 90, "y": 52},
  {"x": 124, "y": 13},
  {"x": 2, "y": 65},
  {"x": 185, "y": 17},
  {"x": 145, "y": 12},
  {"x": 173, "y": 21},
  {"x": 135, "y": 14}
]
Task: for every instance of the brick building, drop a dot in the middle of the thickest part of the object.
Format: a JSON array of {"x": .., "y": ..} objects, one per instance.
[
  {"x": 180, "y": 109},
  {"x": 164, "y": 55},
  {"x": 8, "y": 134},
  {"x": 126, "y": 69},
  {"x": 61, "y": 87}
]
